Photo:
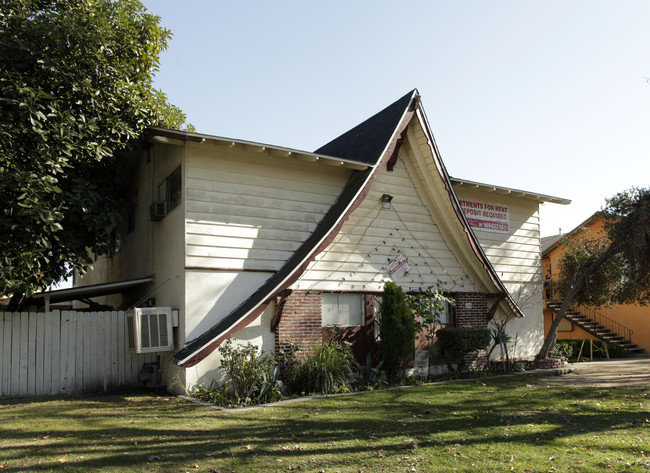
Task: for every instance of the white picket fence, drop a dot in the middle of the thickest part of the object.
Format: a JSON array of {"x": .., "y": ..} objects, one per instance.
[{"x": 66, "y": 352}]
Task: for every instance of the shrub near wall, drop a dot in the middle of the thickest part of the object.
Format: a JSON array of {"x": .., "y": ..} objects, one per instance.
[
  {"x": 458, "y": 342},
  {"x": 396, "y": 330}
]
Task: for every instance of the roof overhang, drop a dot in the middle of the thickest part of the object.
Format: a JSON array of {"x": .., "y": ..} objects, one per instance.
[
  {"x": 179, "y": 138},
  {"x": 95, "y": 290},
  {"x": 506, "y": 191}
]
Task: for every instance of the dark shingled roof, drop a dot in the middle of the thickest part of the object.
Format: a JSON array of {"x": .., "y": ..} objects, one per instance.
[{"x": 366, "y": 141}]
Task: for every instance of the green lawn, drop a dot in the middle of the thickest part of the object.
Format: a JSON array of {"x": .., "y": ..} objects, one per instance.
[{"x": 487, "y": 425}]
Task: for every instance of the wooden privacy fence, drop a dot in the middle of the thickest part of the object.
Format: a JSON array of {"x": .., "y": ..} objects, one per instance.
[{"x": 66, "y": 352}]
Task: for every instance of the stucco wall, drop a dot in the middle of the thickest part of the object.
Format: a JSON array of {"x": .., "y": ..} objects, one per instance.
[
  {"x": 633, "y": 316},
  {"x": 203, "y": 373}
]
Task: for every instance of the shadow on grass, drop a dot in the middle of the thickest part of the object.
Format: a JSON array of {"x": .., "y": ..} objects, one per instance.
[{"x": 144, "y": 433}]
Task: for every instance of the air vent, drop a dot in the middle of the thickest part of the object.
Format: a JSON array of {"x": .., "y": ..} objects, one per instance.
[
  {"x": 158, "y": 210},
  {"x": 150, "y": 329}
]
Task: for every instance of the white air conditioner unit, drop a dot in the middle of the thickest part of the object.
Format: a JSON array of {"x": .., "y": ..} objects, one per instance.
[
  {"x": 158, "y": 210},
  {"x": 150, "y": 329}
]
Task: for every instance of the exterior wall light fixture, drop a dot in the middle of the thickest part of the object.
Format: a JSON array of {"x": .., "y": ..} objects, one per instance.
[{"x": 386, "y": 199}]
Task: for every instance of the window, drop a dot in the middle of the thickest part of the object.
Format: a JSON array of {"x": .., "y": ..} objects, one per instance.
[
  {"x": 342, "y": 309},
  {"x": 446, "y": 315},
  {"x": 170, "y": 190}
]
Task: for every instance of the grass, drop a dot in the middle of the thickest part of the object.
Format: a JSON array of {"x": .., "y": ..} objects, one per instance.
[{"x": 487, "y": 425}]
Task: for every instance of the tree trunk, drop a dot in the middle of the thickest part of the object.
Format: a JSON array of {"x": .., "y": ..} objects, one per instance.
[
  {"x": 580, "y": 280},
  {"x": 14, "y": 302},
  {"x": 505, "y": 349}
]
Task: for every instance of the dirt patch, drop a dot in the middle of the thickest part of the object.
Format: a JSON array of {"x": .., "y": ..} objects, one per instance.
[{"x": 609, "y": 373}]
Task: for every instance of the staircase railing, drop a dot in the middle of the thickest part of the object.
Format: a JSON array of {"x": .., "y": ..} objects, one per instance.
[
  {"x": 600, "y": 319},
  {"x": 609, "y": 324}
]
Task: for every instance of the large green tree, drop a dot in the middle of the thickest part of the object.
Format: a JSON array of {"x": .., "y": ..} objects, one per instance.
[
  {"x": 76, "y": 82},
  {"x": 615, "y": 268}
]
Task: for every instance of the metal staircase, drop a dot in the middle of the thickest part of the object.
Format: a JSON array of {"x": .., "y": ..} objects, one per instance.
[{"x": 598, "y": 325}]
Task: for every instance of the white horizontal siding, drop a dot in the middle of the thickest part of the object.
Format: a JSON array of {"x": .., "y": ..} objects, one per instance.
[
  {"x": 358, "y": 258},
  {"x": 247, "y": 210},
  {"x": 515, "y": 255}
]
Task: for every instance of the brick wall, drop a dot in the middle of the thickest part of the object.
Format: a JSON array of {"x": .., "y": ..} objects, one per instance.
[
  {"x": 550, "y": 363},
  {"x": 471, "y": 311},
  {"x": 301, "y": 321}
]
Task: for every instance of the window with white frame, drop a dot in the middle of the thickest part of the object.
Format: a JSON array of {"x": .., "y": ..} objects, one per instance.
[{"x": 344, "y": 310}]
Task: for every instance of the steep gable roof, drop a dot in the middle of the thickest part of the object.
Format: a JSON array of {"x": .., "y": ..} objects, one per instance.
[
  {"x": 366, "y": 141},
  {"x": 377, "y": 130}
]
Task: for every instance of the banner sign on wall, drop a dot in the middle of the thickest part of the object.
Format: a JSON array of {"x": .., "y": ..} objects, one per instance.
[
  {"x": 486, "y": 216},
  {"x": 398, "y": 267}
]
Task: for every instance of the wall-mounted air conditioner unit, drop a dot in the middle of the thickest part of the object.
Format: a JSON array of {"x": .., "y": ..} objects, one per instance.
[
  {"x": 158, "y": 210},
  {"x": 150, "y": 329}
]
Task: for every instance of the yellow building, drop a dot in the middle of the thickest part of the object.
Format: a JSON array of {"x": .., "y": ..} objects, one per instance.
[{"x": 626, "y": 324}]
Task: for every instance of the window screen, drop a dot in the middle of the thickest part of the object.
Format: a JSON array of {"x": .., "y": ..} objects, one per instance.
[
  {"x": 174, "y": 183},
  {"x": 171, "y": 189},
  {"x": 342, "y": 309}
]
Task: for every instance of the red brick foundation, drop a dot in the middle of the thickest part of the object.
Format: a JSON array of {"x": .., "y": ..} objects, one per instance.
[{"x": 550, "y": 363}]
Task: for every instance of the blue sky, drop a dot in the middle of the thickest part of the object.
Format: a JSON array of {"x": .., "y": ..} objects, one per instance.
[{"x": 545, "y": 96}]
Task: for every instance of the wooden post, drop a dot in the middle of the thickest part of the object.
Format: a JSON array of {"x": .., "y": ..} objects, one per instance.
[
  {"x": 580, "y": 352},
  {"x": 606, "y": 350},
  {"x": 591, "y": 350}
]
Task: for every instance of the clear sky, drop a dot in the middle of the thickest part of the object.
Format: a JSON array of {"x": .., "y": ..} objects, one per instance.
[{"x": 546, "y": 96}]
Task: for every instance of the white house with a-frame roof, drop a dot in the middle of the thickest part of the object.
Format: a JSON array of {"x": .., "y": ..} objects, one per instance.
[{"x": 272, "y": 245}]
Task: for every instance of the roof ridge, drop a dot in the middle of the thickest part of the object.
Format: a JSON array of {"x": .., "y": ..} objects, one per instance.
[{"x": 366, "y": 141}]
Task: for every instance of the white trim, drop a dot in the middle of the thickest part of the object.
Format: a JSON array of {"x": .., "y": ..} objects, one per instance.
[{"x": 508, "y": 191}]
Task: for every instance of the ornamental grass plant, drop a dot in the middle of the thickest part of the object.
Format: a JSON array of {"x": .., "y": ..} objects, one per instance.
[{"x": 325, "y": 371}]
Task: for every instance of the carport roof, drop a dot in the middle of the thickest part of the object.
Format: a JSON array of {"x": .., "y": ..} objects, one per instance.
[{"x": 95, "y": 290}]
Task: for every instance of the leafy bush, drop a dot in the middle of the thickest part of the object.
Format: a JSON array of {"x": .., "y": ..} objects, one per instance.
[
  {"x": 563, "y": 349},
  {"x": 429, "y": 309},
  {"x": 290, "y": 359},
  {"x": 252, "y": 378},
  {"x": 519, "y": 366},
  {"x": 570, "y": 349},
  {"x": 456, "y": 342},
  {"x": 396, "y": 329},
  {"x": 214, "y": 393},
  {"x": 245, "y": 368},
  {"x": 617, "y": 351},
  {"x": 325, "y": 371}
]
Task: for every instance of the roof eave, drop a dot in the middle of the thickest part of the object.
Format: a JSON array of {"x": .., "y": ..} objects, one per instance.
[
  {"x": 499, "y": 190},
  {"x": 175, "y": 137}
]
